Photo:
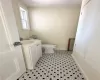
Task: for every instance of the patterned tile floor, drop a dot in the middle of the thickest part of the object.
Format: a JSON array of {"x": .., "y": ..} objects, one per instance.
[{"x": 57, "y": 66}]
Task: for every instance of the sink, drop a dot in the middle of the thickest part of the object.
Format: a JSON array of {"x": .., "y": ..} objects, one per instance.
[{"x": 27, "y": 41}]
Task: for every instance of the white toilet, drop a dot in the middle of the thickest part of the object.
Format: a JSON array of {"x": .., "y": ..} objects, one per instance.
[{"x": 48, "y": 48}]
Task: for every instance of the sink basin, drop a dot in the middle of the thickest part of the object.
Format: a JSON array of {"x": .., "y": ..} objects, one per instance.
[{"x": 27, "y": 41}]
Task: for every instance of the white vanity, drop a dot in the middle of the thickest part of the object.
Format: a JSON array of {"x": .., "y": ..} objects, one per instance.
[{"x": 32, "y": 52}]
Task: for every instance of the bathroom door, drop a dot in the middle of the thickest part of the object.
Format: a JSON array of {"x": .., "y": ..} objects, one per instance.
[{"x": 11, "y": 58}]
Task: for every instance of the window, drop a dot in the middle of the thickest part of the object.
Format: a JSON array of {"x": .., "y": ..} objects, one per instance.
[{"x": 24, "y": 18}]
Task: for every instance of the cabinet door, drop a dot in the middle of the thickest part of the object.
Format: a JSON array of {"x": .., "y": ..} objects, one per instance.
[
  {"x": 33, "y": 55},
  {"x": 39, "y": 51}
]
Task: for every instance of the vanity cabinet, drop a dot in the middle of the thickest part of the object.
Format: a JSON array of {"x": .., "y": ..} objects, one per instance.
[{"x": 32, "y": 53}]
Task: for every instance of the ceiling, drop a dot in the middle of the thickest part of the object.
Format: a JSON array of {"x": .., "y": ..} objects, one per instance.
[{"x": 51, "y": 2}]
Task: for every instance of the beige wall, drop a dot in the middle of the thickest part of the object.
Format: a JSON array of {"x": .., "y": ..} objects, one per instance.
[
  {"x": 87, "y": 44},
  {"x": 15, "y": 5},
  {"x": 54, "y": 25}
]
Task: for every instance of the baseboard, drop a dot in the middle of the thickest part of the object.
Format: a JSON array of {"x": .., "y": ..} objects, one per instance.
[
  {"x": 80, "y": 67},
  {"x": 61, "y": 49},
  {"x": 89, "y": 72}
]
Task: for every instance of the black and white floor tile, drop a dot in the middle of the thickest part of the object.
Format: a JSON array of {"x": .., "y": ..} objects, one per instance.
[{"x": 57, "y": 66}]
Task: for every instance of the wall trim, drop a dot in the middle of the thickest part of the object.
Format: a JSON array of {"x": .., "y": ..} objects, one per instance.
[
  {"x": 80, "y": 67},
  {"x": 61, "y": 49}
]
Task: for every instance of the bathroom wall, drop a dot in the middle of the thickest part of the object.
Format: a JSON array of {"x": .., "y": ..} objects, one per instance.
[
  {"x": 87, "y": 44},
  {"x": 54, "y": 25},
  {"x": 15, "y": 4}
]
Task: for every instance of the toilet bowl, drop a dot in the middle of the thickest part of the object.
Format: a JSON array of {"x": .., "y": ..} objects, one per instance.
[{"x": 48, "y": 48}]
